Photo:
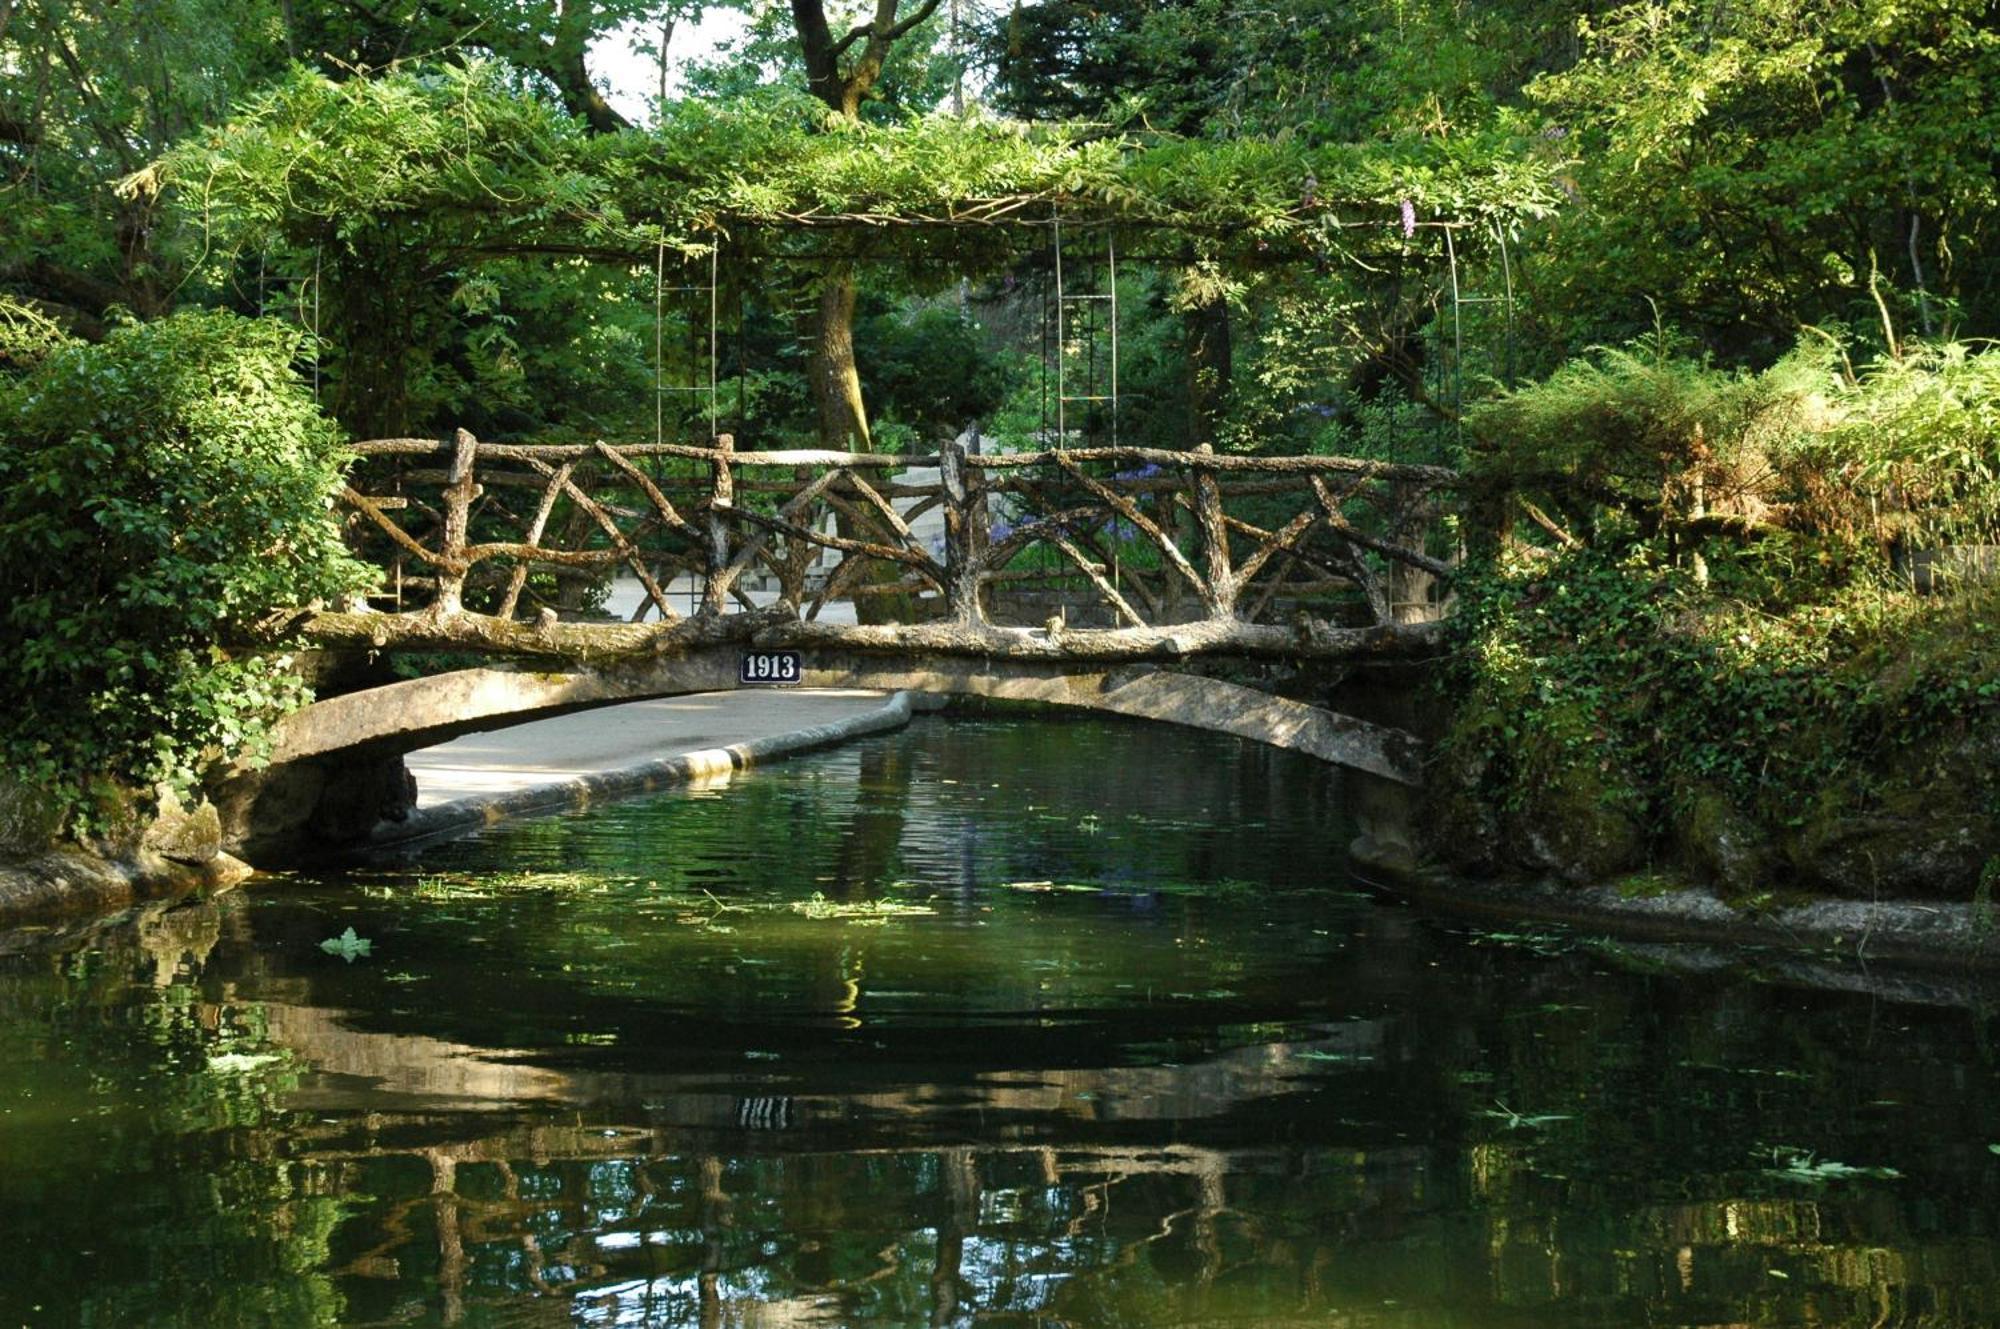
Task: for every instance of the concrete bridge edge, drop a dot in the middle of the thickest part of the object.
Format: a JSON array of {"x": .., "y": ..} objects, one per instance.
[
  {"x": 336, "y": 780},
  {"x": 418, "y": 713}
]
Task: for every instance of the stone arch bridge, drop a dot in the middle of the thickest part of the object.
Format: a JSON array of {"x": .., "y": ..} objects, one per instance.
[{"x": 1112, "y": 579}]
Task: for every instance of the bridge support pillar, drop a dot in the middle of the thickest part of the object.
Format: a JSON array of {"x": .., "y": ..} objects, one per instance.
[{"x": 299, "y": 810}]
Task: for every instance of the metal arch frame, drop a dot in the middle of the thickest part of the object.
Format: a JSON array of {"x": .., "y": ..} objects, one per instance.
[{"x": 1109, "y": 295}]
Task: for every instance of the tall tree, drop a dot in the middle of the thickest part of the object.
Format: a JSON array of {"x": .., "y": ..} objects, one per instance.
[
  {"x": 91, "y": 94},
  {"x": 548, "y": 41},
  {"x": 842, "y": 72}
]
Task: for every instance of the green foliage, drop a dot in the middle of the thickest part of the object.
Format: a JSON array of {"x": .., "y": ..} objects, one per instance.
[
  {"x": 1623, "y": 664},
  {"x": 348, "y": 946},
  {"x": 312, "y": 158},
  {"x": 929, "y": 369},
  {"x": 1920, "y": 432},
  {"x": 417, "y": 203},
  {"x": 1750, "y": 166},
  {"x": 1906, "y": 448},
  {"x": 159, "y": 492},
  {"x": 90, "y": 93},
  {"x": 1784, "y": 675},
  {"x": 27, "y": 336}
]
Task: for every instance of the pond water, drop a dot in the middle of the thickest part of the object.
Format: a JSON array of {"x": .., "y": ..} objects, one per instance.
[{"x": 983, "y": 1023}]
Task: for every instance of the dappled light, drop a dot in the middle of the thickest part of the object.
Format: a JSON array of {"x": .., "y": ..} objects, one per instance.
[{"x": 945, "y": 664}]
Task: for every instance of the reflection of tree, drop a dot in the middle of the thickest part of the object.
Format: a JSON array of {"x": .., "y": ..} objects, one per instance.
[
  {"x": 165, "y": 1164},
  {"x": 1471, "y": 1132},
  {"x": 959, "y": 1171},
  {"x": 865, "y": 857}
]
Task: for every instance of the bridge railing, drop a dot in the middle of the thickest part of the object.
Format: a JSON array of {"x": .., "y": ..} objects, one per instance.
[{"x": 1157, "y": 537}]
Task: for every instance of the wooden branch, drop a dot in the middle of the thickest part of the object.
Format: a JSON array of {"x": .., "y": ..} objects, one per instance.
[
  {"x": 661, "y": 504},
  {"x": 842, "y": 543},
  {"x": 800, "y": 504},
  {"x": 1089, "y": 544},
  {"x": 1130, "y": 511},
  {"x": 1370, "y": 584},
  {"x": 1339, "y": 524},
  {"x": 576, "y": 643},
  {"x": 835, "y": 583},
  {"x": 840, "y": 48},
  {"x": 1549, "y": 524},
  {"x": 895, "y": 521},
  {"x": 527, "y": 555},
  {"x": 1271, "y": 588},
  {"x": 546, "y": 452},
  {"x": 1435, "y": 476},
  {"x": 458, "y": 495},
  {"x": 1283, "y": 539},
  {"x": 604, "y": 644},
  {"x": 1297, "y": 552},
  {"x": 722, "y": 500},
  {"x": 369, "y": 509},
  {"x": 550, "y": 493},
  {"x": 1098, "y": 579},
  {"x": 922, "y": 12},
  {"x": 1223, "y": 463},
  {"x": 997, "y": 556},
  {"x": 1221, "y": 595},
  {"x": 966, "y": 531},
  {"x": 633, "y": 559}
]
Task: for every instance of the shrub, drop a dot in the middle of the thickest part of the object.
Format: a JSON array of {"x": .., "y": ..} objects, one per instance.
[{"x": 158, "y": 494}]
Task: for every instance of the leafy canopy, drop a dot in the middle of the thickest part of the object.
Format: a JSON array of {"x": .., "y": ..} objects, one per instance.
[{"x": 486, "y": 167}]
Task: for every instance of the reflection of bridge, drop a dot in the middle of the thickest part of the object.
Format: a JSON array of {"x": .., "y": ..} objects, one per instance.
[{"x": 1162, "y": 558}]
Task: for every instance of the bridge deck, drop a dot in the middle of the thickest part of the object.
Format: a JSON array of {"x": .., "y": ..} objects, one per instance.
[{"x": 615, "y": 738}]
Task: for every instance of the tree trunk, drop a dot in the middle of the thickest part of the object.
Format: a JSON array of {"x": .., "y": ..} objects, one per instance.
[
  {"x": 836, "y": 387},
  {"x": 367, "y": 324},
  {"x": 836, "y": 381},
  {"x": 1209, "y": 367},
  {"x": 843, "y": 418}
]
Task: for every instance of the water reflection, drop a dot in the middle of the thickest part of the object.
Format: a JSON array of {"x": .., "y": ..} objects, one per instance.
[{"x": 1143, "y": 1062}]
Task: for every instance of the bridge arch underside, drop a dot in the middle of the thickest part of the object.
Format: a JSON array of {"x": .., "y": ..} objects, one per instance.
[{"x": 336, "y": 768}]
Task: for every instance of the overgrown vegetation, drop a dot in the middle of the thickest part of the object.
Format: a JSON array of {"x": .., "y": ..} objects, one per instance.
[
  {"x": 1714, "y": 650},
  {"x": 159, "y": 491}
]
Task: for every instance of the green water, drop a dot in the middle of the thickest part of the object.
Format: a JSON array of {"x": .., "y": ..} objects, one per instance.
[{"x": 984, "y": 1023}]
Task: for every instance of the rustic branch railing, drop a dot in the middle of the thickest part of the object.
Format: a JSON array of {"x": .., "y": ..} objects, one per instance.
[{"x": 1199, "y": 546}]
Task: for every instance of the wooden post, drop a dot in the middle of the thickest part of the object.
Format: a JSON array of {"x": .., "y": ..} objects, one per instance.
[
  {"x": 722, "y": 498},
  {"x": 1409, "y": 586},
  {"x": 964, "y": 533},
  {"x": 1220, "y": 593},
  {"x": 459, "y": 491}
]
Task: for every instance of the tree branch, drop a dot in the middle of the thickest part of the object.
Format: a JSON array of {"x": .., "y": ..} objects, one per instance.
[{"x": 923, "y": 12}]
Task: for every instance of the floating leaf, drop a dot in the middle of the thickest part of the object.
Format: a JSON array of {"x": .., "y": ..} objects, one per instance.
[
  {"x": 1803, "y": 1167},
  {"x": 347, "y": 946},
  {"x": 819, "y": 907}
]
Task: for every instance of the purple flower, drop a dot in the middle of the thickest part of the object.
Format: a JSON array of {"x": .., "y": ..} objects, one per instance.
[
  {"x": 1409, "y": 219},
  {"x": 1146, "y": 472},
  {"x": 1000, "y": 530}
]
